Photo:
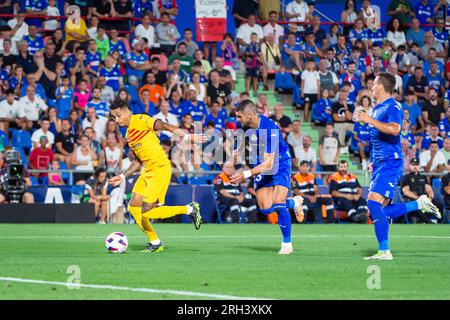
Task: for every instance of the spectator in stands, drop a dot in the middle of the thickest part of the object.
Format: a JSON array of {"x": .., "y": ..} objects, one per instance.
[
  {"x": 94, "y": 121},
  {"x": 432, "y": 160},
  {"x": 19, "y": 28},
  {"x": 435, "y": 78},
  {"x": 424, "y": 11},
  {"x": 156, "y": 92},
  {"x": 8, "y": 55},
  {"x": 55, "y": 177},
  {"x": 206, "y": 66},
  {"x": 191, "y": 45},
  {"x": 144, "y": 105},
  {"x": 41, "y": 157},
  {"x": 52, "y": 11},
  {"x": 43, "y": 131},
  {"x": 415, "y": 34},
  {"x": 429, "y": 59},
  {"x": 96, "y": 193},
  {"x": 433, "y": 137},
  {"x": 347, "y": 194},
  {"x": 332, "y": 35},
  {"x": 284, "y": 121},
  {"x": 75, "y": 30},
  {"x": 243, "y": 9},
  {"x": 35, "y": 42},
  {"x": 31, "y": 107},
  {"x": 112, "y": 74},
  {"x": 401, "y": 10},
  {"x": 395, "y": 33},
  {"x": 262, "y": 106},
  {"x": 291, "y": 53},
  {"x": 445, "y": 185},
  {"x": 273, "y": 28},
  {"x": 65, "y": 143},
  {"x": 252, "y": 60},
  {"x": 9, "y": 111},
  {"x": 304, "y": 184},
  {"x": 296, "y": 11},
  {"x": 107, "y": 94},
  {"x": 167, "y": 117},
  {"x": 124, "y": 10},
  {"x": 430, "y": 42},
  {"x": 419, "y": 85},
  {"x": 137, "y": 61},
  {"x": 413, "y": 185},
  {"x": 408, "y": 155},
  {"x": 446, "y": 150},
  {"x": 198, "y": 86},
  {"x": 105, "y": 9},
  {"x": 24, "y": 58},
  {"x": 161, "y": 76},
  {"x": 349, "y": 15},
  {"x": 186, "y": 60},
  {"x": 310, "y": 87},
  {"x": 295, "y": 137},
  {"x": 167, "y": 34},
  {"x": 232, "y": 196},
  {"x": 329, "y": 150},
  {"x": 328, "y": 79},
  {"x": 168, "y": 6},
  {"x": 226, "y": 77},
  {"x": 216, "y": 89},
  {"x": 271, "y": 53},
  {"x": 111, "y": 156},
  {"x": 245, "y": 31},
  {"x": 83, "y": 159},
  {"x": 304, "y": 152},
  {"x": 433, "y": 110},
  {"x": 342, "y": 117},
  {"x": 444, "y": 125},
  {"x": 173, "y": 84},
  {"x": 440, "y": 33}
]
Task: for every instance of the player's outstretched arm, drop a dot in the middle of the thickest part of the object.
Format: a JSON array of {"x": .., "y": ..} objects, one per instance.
[
  {"x": 392, "y": 128},
  {"x": 135, "y": 166},
  {"x": 163, "y": 126},
  {"x": 266, "y": 165}
]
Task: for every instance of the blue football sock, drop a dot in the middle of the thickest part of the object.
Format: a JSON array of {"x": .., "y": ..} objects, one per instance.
[
  {"x": 381, "y": 224},
  {"x": 266, "y": 211},
  {"x": 290, "y": 203},
  {"x": 399, "y": 209},
  {"x": 284, "y": 221}
]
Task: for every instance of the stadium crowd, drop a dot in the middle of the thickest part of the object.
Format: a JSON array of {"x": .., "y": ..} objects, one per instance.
[{"x": 59, "y": 77}]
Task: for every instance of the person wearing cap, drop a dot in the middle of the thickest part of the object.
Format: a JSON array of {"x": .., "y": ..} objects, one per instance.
[
  {"x": 41, "y": 157},
  {"x": 137, "y": 61},
  {"x": 415, "y": 184}
]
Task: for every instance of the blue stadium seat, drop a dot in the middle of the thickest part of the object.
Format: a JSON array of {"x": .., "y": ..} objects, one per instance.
[
  {"x": 34, "y": 181},
  {"x": 21, "y": 138},
  {"x": 297, "y": 100},
  {"x": 4, "y": 139},
  {"x": 284, "y": 82},
  {"x": 197, "y": 180},
  {"x": 64, "y": 175}
]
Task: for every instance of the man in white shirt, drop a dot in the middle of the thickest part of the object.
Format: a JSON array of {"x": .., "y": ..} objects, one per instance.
[
  {"x": 273, "y": 27},
  {"x": 245, "y": 31},
  {"x": 30, "y": 107},
  {"x": 107, "y": 94},
  {"x": 19, "y": 28},
  {"x": 96, "y": 122},
  {"x": 393, "y": 69},
  {"x": 146, "y": 30},
  {"x": 43, "y": 131},
  {"x": 296, "y": 12},
  {"x": 432, "y": 160},
  {"x": 295, "y": 137},
  {"x": 306, "y": 153},
  {"x": 165, "y": 116},
  {"x": 9, "y": 110}
]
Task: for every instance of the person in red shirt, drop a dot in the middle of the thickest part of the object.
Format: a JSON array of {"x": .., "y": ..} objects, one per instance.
[{"x": 40, "y": 158}]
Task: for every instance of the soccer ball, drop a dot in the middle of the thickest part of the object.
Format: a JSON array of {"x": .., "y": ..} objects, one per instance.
[{"x": 116, "y": 242}]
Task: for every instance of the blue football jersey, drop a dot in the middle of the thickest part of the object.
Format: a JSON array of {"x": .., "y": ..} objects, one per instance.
[{"x": 385, "y": 146}]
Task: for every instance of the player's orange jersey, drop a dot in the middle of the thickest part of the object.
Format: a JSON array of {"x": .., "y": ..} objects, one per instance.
[{"x": 142, "y": 139}]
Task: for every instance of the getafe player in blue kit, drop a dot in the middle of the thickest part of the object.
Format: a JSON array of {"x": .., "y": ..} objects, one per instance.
[
  {"x": 386, "y": 164},
  {"x": 272, "y": 172}
]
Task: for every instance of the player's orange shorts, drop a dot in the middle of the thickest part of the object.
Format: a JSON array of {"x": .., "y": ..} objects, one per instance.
[{"x": 153, "y": 183}]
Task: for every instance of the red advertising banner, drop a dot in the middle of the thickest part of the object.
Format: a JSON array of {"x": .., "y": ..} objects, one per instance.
[{"x": 211, "y": 29}]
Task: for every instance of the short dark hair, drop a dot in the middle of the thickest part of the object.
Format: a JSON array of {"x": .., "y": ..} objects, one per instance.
[
  {"x": 119, "y": 104},
  {"x": 244, "y": 105},
  {"x": 156, "y": 59},
  {"x": 387, "y": 80},
  {"x": 9, "y": 91},
  {"x": 99, "y": 171},
  {"x": 182, "y": 43},
  {"x": 343, "y": 162},
  {"x": 45, "y": 119},
  {"x": 303, "y": 162}
]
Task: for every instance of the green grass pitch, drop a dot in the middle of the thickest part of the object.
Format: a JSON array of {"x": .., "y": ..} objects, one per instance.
[{"x": 229, "y": 260}]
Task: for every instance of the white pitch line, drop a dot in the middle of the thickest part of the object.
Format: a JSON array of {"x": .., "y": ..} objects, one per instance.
[
  {"x": 229, "y": 236},
  {"x": 144, "y": 290}
]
